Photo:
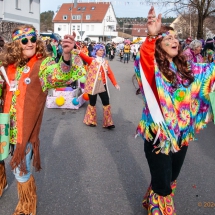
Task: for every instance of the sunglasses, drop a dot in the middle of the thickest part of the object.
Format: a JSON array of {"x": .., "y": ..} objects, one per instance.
[{"x": 25, "y": 40}]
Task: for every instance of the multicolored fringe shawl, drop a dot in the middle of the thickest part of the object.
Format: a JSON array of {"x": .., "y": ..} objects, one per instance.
[
  {"x": 26, "y": 32},
  {"x": 183, "y": 110}
]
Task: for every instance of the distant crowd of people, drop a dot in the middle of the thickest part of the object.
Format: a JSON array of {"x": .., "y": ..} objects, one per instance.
[{"x": 199, "y": 51}]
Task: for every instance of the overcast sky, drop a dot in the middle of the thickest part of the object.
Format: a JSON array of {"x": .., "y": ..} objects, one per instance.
[{"x": 122, "y": 8}]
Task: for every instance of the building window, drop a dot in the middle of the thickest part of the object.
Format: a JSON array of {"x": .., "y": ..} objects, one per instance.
[
  {"x": 87, "y": 17},
  {"x": 87, "y": 27},
  {"x": 76, "y": 17},
  {"x": 18, "y": 4},
  {"x": 30, "y": 6},
  {"x": 92, "y": 27},
  {"x": 78, "y": 27},
  {"x": 92, "y": 8},
  {"x": 78, "y": 37},
  {"x": 64, "y": 27},
  {"x": 73, "y": 27},
  {"x": 64, "y": 17},
  {"x": 59, "y": 28}
]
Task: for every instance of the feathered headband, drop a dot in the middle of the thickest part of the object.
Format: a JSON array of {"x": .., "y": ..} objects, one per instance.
[{"x": 26, "y": 32}]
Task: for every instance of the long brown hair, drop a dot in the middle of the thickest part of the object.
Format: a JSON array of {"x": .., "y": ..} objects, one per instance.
[
  {"x": 12, "y": 53},
  {"x": 179, "y": 60}
]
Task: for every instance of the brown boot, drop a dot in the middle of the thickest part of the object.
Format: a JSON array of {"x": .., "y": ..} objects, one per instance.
[
  {"x": 3, "y": 179},
  {"x": 107, "y": 118},
  {"x": 90, "y": 116},
  {"x": 27, "y": 197}
]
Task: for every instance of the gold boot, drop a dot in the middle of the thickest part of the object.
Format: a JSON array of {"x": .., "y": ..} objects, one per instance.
[
  {"x": 107, "y": 117},
  {"x": 27, "y": 197},
  {"x": 3, "y": 179},
  {"x": 90, "y": 116}
]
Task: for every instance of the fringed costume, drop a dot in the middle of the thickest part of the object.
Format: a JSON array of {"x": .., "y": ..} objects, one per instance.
[
  {"x": 25, "y": 104},
  {"x": 170, "y": 118}
]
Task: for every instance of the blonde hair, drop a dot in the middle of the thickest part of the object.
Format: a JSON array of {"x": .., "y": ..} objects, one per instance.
[{"x": 12, "y": 53}]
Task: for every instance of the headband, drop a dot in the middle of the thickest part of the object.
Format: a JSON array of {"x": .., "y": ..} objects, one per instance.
[
  {"x": 166, "y": 33},
  {"x": 26, "y": 32},
  {"x": 210, "y": 41}
]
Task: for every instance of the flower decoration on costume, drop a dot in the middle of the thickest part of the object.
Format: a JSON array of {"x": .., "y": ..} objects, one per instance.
[
  {"x": 167, "y": 33},
  {"x": 180, "y": 95},
  {"x": 64, "y": 67},
  {"x": 22, "y": 33}
]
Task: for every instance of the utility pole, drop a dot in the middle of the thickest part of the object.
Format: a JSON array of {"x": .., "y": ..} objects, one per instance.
[
  {"x": 81, "y": 24},
  {"x": 103, "y": 30},
  {"x": 190, "y": 24},
  {"x": 74, "y": 6}
]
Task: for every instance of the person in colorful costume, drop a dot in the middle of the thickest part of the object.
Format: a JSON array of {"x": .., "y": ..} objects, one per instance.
[
  {"x": 98, "y": 69},
  {"x": 208, "y": 51},
  {"x": 192, "y": 53},
  {"x": 31, "y": 72},
  {"x": 176, "y": 105}
]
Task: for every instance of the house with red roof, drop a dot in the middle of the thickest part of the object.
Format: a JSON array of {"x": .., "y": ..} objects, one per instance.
[{"x": 91, "y": 21}]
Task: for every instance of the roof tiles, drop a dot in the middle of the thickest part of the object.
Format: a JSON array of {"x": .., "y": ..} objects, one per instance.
[{"x": 96, "y": 15}]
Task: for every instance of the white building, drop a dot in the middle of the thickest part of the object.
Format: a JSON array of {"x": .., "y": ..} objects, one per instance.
[
  {"x": 21, "y": 11},
  {"x": 90, "y": 21}
]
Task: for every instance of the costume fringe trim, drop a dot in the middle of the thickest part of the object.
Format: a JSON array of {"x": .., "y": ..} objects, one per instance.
[
  {"x": 27, "y": 197},
  {"x": 3, "y": 179}
]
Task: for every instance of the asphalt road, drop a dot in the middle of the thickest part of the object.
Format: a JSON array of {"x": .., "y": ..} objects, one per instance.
[{"x": 94, "y": 171}]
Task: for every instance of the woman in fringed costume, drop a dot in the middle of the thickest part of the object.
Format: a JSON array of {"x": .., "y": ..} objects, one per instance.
[
  {"x": 176, "y": 105},
  {"x": 31, "y": 72},
  {"x": 96, "y": 84}
]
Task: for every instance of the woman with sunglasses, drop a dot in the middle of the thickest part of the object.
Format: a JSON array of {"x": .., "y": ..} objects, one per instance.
[
  {"x": 31, "y": 72},
  {"x": 176, "y": 105}
]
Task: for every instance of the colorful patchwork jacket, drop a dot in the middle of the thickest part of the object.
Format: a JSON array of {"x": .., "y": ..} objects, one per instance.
[
  {"x": 172, "y": 115},
  {"x": 94, "y": 70},
  {"x": 26, "y": 104}
]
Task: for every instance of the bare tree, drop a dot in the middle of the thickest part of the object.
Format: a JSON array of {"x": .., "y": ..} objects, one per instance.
[
  {"x": 204, "y": 9},
  {"x": 6, "y": 29}
]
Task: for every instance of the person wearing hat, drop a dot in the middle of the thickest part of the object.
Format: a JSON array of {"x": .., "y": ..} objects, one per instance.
[
  {"x": 187, "y": 43},
  {"x": 208, "y": 51},
  {"x": 97, "y": 84}
]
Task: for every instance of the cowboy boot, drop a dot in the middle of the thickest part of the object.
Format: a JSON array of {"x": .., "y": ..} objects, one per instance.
[
  {"x": 145, "y": 202},
  {"x": 160, "y": 205},
  {"x": 3, "y": 179},
  {"x": 27, "y": 198},
  {"x": 90, "y": 116},
  {"x": 107, "y": 118}
]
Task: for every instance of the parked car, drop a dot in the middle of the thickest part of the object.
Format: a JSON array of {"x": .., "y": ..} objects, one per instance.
[{"x": 55, "y": 36}]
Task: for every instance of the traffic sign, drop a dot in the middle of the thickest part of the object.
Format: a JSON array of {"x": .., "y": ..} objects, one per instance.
[{"x": 81, "y": 33}]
